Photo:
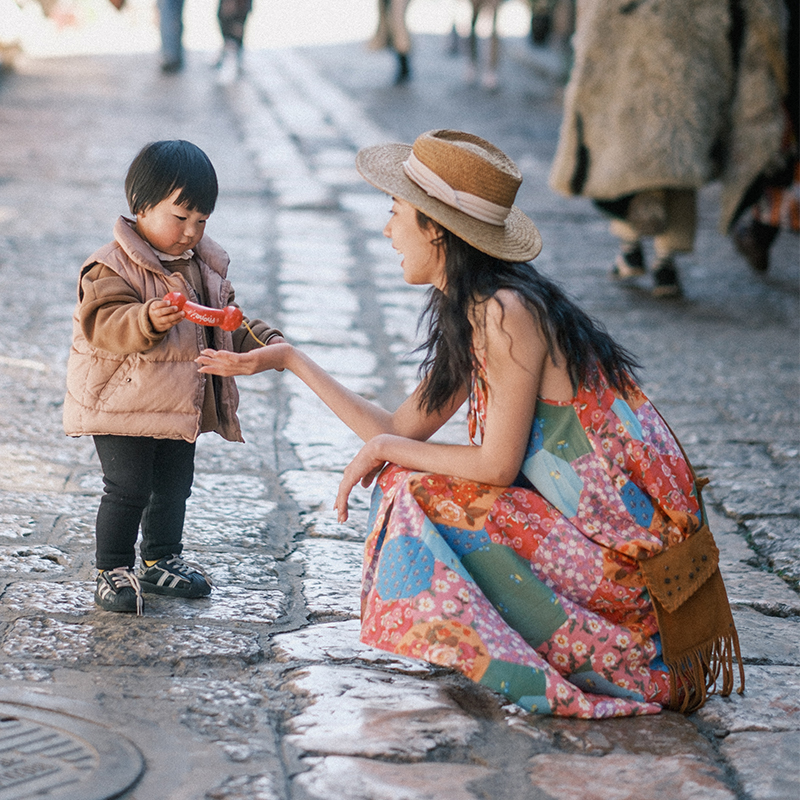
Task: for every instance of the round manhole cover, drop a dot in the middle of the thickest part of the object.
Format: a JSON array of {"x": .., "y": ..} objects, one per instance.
[{"x": 47, "y": 754}]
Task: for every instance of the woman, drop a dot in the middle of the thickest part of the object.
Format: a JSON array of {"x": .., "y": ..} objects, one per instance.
[{"x": 516, "y": 560}]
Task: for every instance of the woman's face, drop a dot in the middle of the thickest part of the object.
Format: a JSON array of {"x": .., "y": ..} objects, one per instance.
[{"x": 423, "y": 261}]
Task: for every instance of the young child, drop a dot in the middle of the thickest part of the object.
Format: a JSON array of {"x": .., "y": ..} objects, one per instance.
[{"x": 132, "y": 382}]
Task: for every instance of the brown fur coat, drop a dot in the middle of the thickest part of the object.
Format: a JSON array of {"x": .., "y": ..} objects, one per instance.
[{"x": 661, "y": 96}]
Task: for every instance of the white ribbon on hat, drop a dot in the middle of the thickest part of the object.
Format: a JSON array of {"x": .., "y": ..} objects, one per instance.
[{"x": 472, "y": 205}]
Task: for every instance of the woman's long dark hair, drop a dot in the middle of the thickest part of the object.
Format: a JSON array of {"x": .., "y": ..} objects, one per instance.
[{"x": 473, "y": 278}]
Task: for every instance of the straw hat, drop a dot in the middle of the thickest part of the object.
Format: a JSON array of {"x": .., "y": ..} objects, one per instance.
[{"x": 464, "y": 183}]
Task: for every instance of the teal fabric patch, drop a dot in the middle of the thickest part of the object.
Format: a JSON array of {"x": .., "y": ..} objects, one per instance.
[
  {"x": 555, "y": 479},
  {"x": 592, "y": 683},
  {"x": 529, "y": 606},
  {"x": 562, "y": 432},
  {"x": 628, "y": 418},
  {"x": 523, "y": 685}
]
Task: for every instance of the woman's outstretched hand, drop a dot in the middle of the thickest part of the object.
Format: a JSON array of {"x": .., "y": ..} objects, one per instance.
[
  {"x": 362, "y": 469},
  {"x": 227, "y": 364}
]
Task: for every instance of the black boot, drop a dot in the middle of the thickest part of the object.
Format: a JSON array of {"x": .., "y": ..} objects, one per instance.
[
  {"x": 403, "y": 69},
  {"x": 753, "y": 240}
]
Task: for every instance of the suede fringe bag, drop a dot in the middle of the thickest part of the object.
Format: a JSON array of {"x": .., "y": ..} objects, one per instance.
[{"x": 698, "y": 635}]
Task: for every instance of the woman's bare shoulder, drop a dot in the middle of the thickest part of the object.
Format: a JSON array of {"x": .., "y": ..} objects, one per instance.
[{"x": 508, "y": 310}]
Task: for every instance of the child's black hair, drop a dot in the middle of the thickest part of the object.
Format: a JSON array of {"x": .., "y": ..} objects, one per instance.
[{"x": 163, "y": 167}]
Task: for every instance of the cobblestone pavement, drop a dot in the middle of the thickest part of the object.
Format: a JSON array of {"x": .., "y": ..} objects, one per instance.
[{"x": 262, "y": 691}]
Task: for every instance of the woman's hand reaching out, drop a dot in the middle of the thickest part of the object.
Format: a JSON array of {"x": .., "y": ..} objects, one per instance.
[
  {"x": 363, "y": 469},
  {"x": 227, "y": 364}
]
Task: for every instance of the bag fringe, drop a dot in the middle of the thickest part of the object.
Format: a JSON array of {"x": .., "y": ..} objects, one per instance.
[{"x": 696, "y": 674}]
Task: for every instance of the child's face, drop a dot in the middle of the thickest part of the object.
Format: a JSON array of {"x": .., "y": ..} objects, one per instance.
[{"x": 171, "y": 228}]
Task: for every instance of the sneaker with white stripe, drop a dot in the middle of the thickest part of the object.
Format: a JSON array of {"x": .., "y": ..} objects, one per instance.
[
  {"x": 119, "y": 590},
  {"x": 173, "y": 576}
]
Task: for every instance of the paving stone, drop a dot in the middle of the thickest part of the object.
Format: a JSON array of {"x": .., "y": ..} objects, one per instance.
[
  {"x": 320, "y": 439},
  {"x": 771, "y": 702},
  {"x": 247, "y": 787},
  {"x": 28, "y": 471},
  {"x": 303, "y": 296},
  {"x": 17, "y": 526},
  {"x": 339, "y": 642},
  {"x": 333, "y": 337},
  {"x": 777, "y": 539},
  {"x": 766, "y": 764},
  {"x": 314, "y": 491},
  {"x": 136, "y": 642},
  {"x": 340, "y": 361},
  {"x": 77, "y": 599},
  {"x": 72, "y": 598},
  {"x": 254, "y": 569},
  {"x": 628, "y": 777},
  {"x": 39, "y": 558},
  {"x": 323, "y": 525},
  {"x": 749, "y": 585},
  {"x": 228, "y": 495},
  {"x": 664, "y": 734},
  {"x": 742, "y": 501},
  {"x": 228, "y": 713},
  {"x": 767, "y": 640},
  {"x": 24, "y": 672},
  {"x": 344, "y": 778},
  {"x": 360, "y": 712},
  {"x": 204, "y": 529},
  {"x": 332, "y": 583},
  {"x": 369, "y": 217}
]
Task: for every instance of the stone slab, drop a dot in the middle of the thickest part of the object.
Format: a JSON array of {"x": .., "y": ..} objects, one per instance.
[
  {"x": 339, "y": 642},
  {"x": 344, "y": 778},
  {"x": 233, "y": 603},
  {"x": 766, "y": 764},
  {"x": 766, "y": 639},
  {"x": 628, "y": 777},
  {"x": 361, "y": 712},
  {"x": 136, "y": 642},
  {"x": 332, "y": 583},
  {"x": 771, "y": 702}
]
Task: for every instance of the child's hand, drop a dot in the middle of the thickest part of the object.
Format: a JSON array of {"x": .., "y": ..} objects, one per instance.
[{"x": 164, "y": 316}]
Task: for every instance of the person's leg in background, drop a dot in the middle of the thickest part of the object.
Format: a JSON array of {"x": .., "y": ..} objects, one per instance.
[
  {"x": 232, "y": 16},
  {"x": 170, "y": 20}
]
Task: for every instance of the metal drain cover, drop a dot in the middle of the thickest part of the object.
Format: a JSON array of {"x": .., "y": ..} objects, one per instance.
[{"x": 48, "y": 754}]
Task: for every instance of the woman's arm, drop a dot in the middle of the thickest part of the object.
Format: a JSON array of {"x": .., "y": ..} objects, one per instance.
[
  {"x": 516, "y": 356},
  {"x": 364, "y": 418}
]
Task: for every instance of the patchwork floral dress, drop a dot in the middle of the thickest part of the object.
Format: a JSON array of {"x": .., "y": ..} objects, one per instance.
[{"x": 534, "y": 590}]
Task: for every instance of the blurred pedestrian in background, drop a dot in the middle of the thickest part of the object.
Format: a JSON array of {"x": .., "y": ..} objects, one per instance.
[
  {"x": 664, "y": 98},
  {"x": 170, "y": 22},
  {"x": 777, "y": 195},
  {"x": 232, "y": 16},
  {"x": 393, "y": 33}
]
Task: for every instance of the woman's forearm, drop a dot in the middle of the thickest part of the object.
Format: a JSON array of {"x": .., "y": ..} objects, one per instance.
[
  {"x": 477, "y": 463},
  {"x": 364, "y": 418}
]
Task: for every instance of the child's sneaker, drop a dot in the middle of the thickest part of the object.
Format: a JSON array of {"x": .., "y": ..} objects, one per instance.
[
  {"x": 173, "y": 576},
  {"x": 119, "y": 590}
]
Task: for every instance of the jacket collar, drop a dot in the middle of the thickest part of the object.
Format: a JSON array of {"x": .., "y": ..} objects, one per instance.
[{"x": 142, "y": 254}]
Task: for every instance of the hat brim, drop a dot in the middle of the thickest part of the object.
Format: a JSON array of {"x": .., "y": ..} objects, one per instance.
[{"x": 517, "y": 240}]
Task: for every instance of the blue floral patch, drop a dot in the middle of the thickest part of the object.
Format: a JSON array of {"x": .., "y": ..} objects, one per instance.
[{"x": 406, "y": 568}]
